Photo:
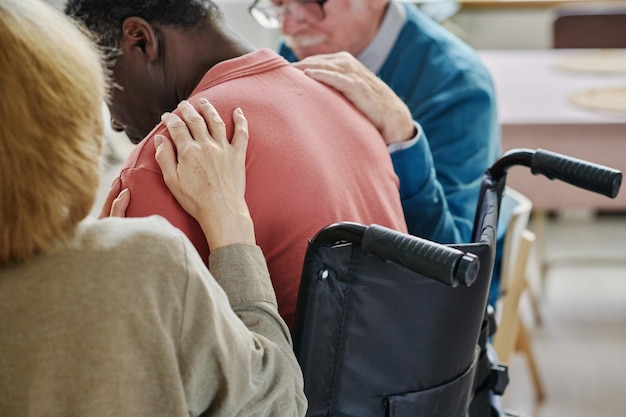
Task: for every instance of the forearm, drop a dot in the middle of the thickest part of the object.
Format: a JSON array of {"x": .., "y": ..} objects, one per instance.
[
  {"x": 241, "y": 271},
  {"x": 440, "y": 177},
  {"x": 234, "y": 227},
  {"x": 424, "y": 201}
]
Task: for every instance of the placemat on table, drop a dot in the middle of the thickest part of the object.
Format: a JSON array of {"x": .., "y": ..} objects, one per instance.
[
  {"x": 596, "y": 61},
  {"x": 611, "y": 99}
]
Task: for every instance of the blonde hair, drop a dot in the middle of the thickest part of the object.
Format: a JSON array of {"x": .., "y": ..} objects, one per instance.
[{"x": 52, "y": 86}]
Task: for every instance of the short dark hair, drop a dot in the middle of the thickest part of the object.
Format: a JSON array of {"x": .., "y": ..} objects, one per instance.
[{"x": 104, "y": 18}]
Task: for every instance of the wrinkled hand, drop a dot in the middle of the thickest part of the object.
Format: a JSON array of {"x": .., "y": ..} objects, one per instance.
[
  {"x": 206, "y": 173},
  {"x": 365, "y": 90},
  {"x": 116, "y": 202}
]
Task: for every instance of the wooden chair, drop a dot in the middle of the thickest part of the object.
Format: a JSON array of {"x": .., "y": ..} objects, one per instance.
[
  {"x": 590, "y": 25},
  {"x": 511, "y": 335}
]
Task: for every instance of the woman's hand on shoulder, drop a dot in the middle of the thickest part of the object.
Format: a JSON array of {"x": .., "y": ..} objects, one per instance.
[
  {"x": 206, "y": 173},
  {"x": 116, "y": 201}
]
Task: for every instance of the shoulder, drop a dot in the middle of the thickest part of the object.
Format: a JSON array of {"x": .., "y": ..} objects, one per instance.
[
  {"x": 141, "y": 157},
  {"x": 428, "y": 63},
  {"x": 435, "y": 49},
  {"x": 140, "y": 239},
  {"x": 118, "y": 228},
  {"x": 147, "y": 257}
]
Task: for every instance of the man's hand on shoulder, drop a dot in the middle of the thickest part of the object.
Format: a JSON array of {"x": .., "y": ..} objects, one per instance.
[{"x": 365, "y": 90}]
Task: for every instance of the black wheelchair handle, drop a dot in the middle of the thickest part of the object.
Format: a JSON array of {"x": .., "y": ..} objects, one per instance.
[
  {"x": 583, "y": 174},
  {"x": 592, "y": 177},
  {"x": 440, "y": 262}
]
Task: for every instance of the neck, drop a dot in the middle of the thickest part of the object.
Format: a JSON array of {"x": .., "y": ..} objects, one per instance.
[{"x": 196, "y": 52}]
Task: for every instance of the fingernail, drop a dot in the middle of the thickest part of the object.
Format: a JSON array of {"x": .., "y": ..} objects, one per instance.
[
  {"x": 123, "y": 194},
  {"x": 116, "y": 180},
  {"x": 164, "y": 115},
  {"x": 158, "y": 140},
  {"x": 239, "y": 111},
  {"x": 204, "y": 101}
]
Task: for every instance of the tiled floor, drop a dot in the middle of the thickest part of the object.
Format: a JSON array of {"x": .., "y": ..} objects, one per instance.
[{"x": 581, "y": 344}]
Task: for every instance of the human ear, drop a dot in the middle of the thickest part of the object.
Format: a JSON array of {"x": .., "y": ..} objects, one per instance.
[{"x": 139, "y": 37}]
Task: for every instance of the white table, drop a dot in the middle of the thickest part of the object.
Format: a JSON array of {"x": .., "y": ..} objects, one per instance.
[{"x": 535, "y": 112}]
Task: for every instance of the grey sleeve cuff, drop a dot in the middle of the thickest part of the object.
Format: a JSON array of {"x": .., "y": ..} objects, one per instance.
[{"x": 241, "y": 270}]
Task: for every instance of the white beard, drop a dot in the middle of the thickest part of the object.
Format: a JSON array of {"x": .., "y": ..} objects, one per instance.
[{"x": 303, "y": 41}]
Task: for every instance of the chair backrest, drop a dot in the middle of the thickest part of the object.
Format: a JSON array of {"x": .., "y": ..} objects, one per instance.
[
  {"x": 589, "y": 25},
  {"x": 515, "y": 209},
  {"x": 504, "y": 340}
]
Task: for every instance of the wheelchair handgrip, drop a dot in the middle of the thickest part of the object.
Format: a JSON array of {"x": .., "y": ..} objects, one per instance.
[
  {"x": 434, "y": 260},
  {"x": 583, "y": 174}
]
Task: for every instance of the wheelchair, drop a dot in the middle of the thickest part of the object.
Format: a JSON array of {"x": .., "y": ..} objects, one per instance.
[{"x": 391, "y": 325}]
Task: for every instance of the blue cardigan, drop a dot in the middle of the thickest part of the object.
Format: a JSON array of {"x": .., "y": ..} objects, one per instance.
[{"x": 451, "y": 95}]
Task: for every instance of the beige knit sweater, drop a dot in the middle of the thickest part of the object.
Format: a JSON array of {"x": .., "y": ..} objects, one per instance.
[{"x": 125, "y": 320}]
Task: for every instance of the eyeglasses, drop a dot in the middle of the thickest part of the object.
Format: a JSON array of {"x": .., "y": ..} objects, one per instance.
[{"x": 270, "y": 15}]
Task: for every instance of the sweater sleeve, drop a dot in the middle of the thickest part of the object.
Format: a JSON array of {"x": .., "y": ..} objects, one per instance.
[
  {"x": 236, "y": 353},
  {"x": 423, "y": 199},
  {"x": 440, "y": 176}
]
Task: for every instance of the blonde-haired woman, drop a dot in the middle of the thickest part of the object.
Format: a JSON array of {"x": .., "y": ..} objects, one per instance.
[{"x": 120, "y": 317}]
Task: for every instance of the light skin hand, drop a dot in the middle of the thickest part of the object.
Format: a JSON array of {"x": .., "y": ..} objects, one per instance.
[
  {"x": 365, "y": 90},
  {"x": 206, "y": 173},
  {"x": 116, "y": 202}
]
